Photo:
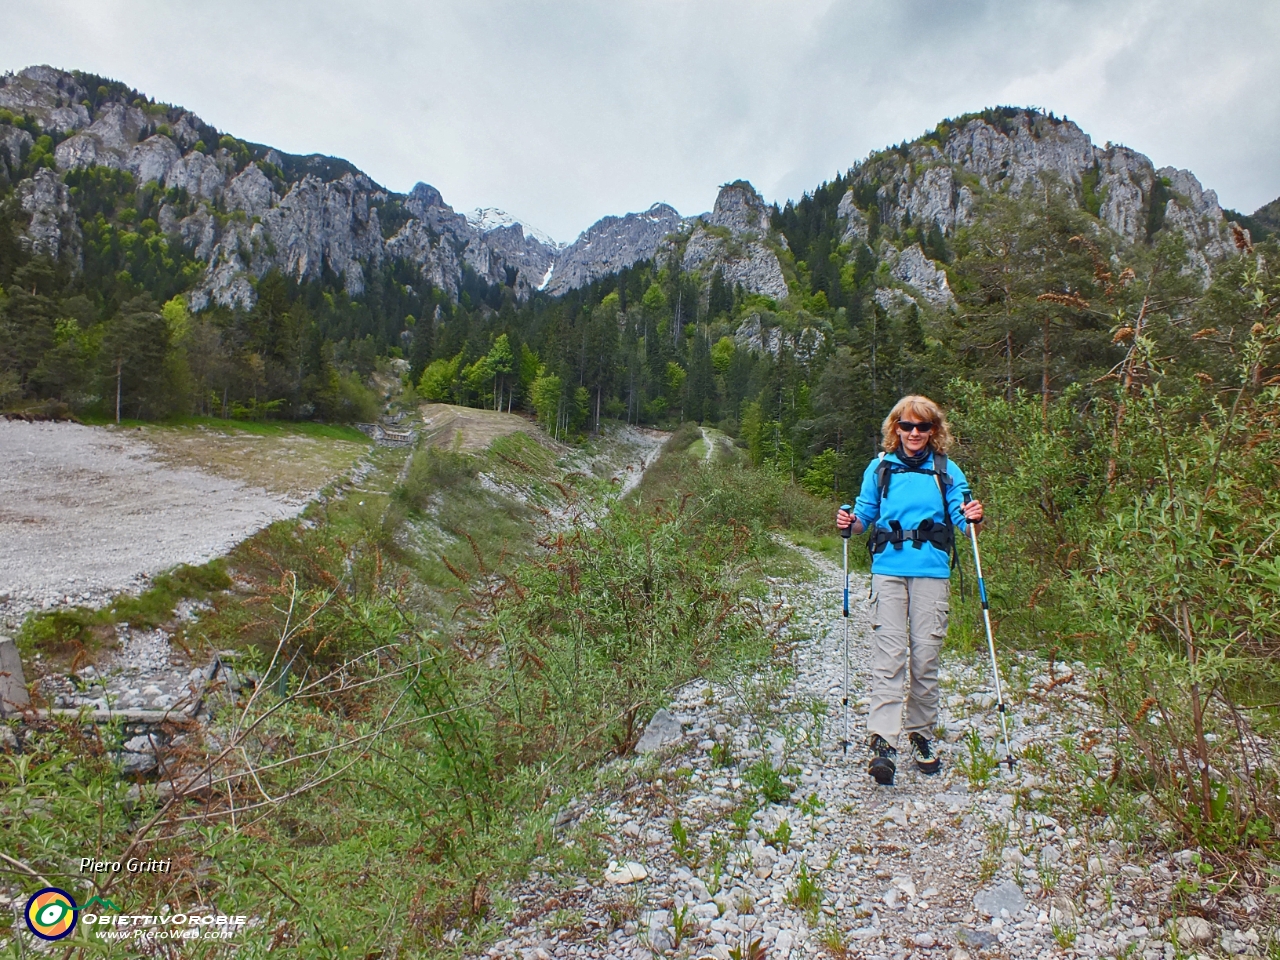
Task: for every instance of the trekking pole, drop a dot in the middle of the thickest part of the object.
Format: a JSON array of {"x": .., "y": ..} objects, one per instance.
[
  {"x": 845, "y": 534},
  {"x": 991, "y": 640}
]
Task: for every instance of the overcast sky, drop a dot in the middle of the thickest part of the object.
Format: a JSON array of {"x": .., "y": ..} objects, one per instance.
[{"x": 563, "y": 112}]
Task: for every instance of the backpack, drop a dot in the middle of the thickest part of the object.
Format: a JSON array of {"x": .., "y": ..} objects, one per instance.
[{"x": 941, "y": 536}]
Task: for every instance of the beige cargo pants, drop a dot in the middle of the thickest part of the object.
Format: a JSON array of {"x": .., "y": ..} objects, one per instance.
[{"x": 909, "y": 623}]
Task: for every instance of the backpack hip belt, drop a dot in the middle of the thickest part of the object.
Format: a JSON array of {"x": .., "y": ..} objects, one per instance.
[{"x": 940, "y": 535}]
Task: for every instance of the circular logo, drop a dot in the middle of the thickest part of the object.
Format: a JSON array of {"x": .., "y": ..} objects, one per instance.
[{"x": 51, "y": 914}]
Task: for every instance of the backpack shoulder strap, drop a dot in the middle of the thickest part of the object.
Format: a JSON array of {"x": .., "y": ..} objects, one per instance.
[
  {"x": 883, "y": 469},
  {"x": 944, "y": 481},
  {"x": 940, "y": 470}
]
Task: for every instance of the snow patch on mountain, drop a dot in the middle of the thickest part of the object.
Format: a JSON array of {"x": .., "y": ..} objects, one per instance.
[{"x": 486, "y": 219}]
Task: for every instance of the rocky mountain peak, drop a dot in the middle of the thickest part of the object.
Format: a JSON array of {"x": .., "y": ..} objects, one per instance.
[
  {"x": 740, "y": 208},
  {"x": 746, "y": 257},
  {"x": 609, "y": 245},
  {"x": 935, "y": 181},
  {"x": 55, "y": 98},
  {"x": 422, "y": 197},
  {"x": 488, "y": 219},
  {"x": 661, "y": 213}
]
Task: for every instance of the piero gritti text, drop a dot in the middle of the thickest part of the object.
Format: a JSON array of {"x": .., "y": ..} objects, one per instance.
[{"x": 132, "y": 865}]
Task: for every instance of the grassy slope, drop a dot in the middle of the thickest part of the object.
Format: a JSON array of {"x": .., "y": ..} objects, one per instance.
[{"x": 293, "y": 459}]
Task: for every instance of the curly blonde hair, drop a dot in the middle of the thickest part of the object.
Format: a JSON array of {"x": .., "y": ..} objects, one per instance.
[{"x": 917, "y": 409}]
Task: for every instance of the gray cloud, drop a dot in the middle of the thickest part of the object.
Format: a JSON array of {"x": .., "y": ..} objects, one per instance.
[{"x": 563, "y": 112}]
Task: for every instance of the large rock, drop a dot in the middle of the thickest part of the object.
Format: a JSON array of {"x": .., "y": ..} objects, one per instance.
[
  {"x": 433, "y": 253},
  {"x": 251, "y": 192},
  {"x": 84, "y": 150},
  {"x": 423, "y": 199},
  {"x": 53, "y": 229},
  {"x": 317, "y": 224},
  {"x": 13, "y": 683},
  {"x": 1194, "y": 931},
  {"x": 199, "y": 232},
  {"x": 743, "y": 256},
  {"x": 931, "y": 199},
  {"x": 748, "y": 262},
  {"x": 186, "y": 131},
  {"x": 200, "y": 175},
  {"x": 662, "y": 729},
  {"x": 50, "y": 95},
  {"x": 1195, "y": 213},
  {"x": 425, "y": 203},
  {"x": 118, "y": 127},
  {"x": 1125, "y": 179},
  {"x": 1006, "y": 895},
  {"x": 916, "y": 270},
  {"x": 620, "y": 874},
  {"x": 152, "y": 158},
  {"x": 137, "y": 764},
  {"x": 331, "y": 222},
  {"x": 856, "y": 226},
  {"x": 1027, "y": 146},
  {"x": 106, "y": 142},
  {"x": 225, "y": 283},
  {"x": 740, "y": 209},
  {"x": 15, "y": 144},
  {"x": 754, "y": 337}
]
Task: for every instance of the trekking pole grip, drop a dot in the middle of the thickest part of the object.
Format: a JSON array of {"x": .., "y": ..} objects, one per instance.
[
  {"x": 847, "y": 532},
  {"x": 967, "y": 498}
]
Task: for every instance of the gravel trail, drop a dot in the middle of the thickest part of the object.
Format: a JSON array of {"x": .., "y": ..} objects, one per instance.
[{"x": 933, "y": 867}]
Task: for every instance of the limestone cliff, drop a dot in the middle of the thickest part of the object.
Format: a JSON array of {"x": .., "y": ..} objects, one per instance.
[
  {"x": 936, "y": 181},
  {"x": 53, "y": 229},
  {"x": 255, "y": 209},
  {"x": 735, "y": 238},
  {"x": 611, "y": 244}
]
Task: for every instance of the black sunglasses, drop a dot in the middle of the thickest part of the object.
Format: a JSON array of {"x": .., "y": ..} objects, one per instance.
[{"x": 906, "y": 426}]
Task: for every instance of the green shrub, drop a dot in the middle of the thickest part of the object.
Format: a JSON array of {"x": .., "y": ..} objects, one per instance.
[
  {"x": 432, "y": 471},
  {"x": 1139, "y": 532},
  {"x": 770, "y": 783}
]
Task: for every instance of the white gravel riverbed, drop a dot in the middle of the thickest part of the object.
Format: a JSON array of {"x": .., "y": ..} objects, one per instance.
[{"x": 87, "y": 512}]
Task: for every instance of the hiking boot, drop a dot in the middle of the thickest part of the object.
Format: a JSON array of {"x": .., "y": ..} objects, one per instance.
[
  {"x": 927, "y": 759},
  {"x": 882, "y": 767}
]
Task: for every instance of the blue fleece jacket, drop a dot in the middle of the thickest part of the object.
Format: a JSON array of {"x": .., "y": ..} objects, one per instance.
[{"x": 912, "y": 497}]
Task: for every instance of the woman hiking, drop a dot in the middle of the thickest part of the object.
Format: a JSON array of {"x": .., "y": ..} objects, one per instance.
[{"x": 912, "y": 502}]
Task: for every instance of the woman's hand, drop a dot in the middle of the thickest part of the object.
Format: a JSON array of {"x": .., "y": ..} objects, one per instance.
[
  {"x": 844, "y": 519},
  {"x": 972, "y": 511}
]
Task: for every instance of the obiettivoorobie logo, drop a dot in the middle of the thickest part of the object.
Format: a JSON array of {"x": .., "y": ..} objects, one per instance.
[{"x": 51, "y": 913}]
